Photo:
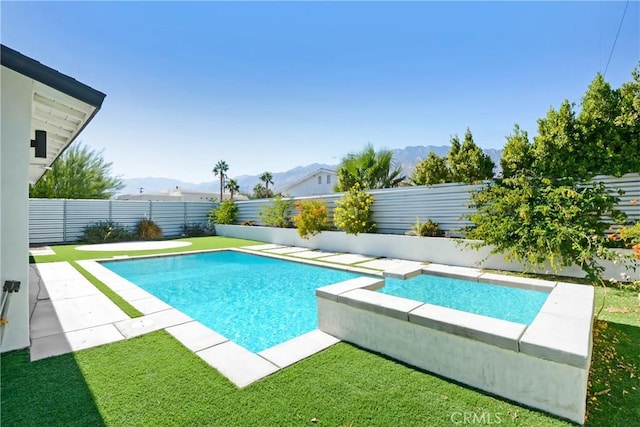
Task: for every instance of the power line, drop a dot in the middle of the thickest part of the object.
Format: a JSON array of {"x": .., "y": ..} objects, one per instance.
[{"x": 616, "y": 39}]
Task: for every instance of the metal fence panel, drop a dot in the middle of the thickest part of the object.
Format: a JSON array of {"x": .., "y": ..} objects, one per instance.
[
  {"x": 80, "y": 213},
  {"x": 169, "y": 217},
  {"x": 630, "y": 184},
  {"x": 197, "y": 212},
  {"x": 395, "y": 210},
  {"x": 63, "y": 220},
  {"x": 46, "y": 220}
]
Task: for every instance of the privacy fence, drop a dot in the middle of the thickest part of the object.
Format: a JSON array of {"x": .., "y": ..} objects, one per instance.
[
  {"x": 395, "y": 210},
  {"x": 62, "y": 220}
]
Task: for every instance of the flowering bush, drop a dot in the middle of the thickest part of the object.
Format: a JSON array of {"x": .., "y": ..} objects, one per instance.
[
  {"x": 534, "y": 220},
  {"x": 353, "y": 212},
  {"x": 312, "y": 217}
]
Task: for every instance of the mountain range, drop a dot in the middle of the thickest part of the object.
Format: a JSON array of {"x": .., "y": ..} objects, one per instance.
[{"x": 406, "y": 158}]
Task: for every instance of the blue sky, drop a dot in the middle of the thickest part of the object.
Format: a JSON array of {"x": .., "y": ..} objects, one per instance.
[{"x": 270, "y": 86}]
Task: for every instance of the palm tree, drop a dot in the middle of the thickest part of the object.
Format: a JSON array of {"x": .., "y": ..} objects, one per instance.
[
  {"x": 221, "y": 169},
  {"x": 267, "y": 178},
  {"x": 368, "y": 168},
  {"x": 233, "y": 187}
]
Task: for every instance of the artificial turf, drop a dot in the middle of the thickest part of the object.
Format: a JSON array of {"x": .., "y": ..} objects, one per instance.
[
  {"x": 69, "y": 252},
  {"x": 154, "y": 380}
]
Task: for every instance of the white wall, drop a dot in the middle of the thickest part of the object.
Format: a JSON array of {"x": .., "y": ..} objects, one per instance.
[
  {"x": 432, "y": 249},
  {"x": 17, "y": 93},
  {"x": 554, "y": 387}
]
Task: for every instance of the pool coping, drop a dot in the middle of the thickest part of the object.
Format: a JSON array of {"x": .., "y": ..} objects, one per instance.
[{"x": 560, "y": 332}]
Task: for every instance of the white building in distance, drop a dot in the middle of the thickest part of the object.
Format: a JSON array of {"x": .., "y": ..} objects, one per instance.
[
  {"x": 320, "y": 182},
  {"x": 180, "y": 195}
]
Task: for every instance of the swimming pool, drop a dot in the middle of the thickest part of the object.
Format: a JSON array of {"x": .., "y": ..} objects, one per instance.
[
  {"x": 256, "y": 301},
  {"x": 501, "y": 302}
]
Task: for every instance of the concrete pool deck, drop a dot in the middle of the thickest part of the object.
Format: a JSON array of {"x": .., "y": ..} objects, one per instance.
[{"x": 70, "y": 314}]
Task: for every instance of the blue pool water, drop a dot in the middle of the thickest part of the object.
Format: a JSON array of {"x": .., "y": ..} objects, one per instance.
[
  {"x": 257, "y": 302},
  {"x": 502, "y": 302}
]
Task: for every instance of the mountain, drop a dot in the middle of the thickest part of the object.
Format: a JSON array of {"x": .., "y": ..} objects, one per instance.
[
  {"x": 406, "y": 157},
  {"x": 246, "y": 182}
]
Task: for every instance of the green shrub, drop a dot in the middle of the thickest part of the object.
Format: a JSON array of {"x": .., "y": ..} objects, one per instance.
[
  {"x": 197, "y": 230},
  {"x": 147, "y": 229},
  {"x": 106, "y": 232},
  {"x": 225, "y": 213},
  {"x": 534, "y": 220},
  {"x": 312, "y": 217},
  {"x": 353, "y": 213},
  {"x": 278, "y": 213},
  {"x": 424, "y": 229}
]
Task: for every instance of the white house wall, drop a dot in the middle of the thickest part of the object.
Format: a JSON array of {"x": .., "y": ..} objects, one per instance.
[
  {"x": 16, "y": 97},
  {"x": 310, "y": 186}
]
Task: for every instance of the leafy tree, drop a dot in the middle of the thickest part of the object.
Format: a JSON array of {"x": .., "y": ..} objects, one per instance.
[
  {"x": 628, "y": 123},
  {"x": 267, "y": 178},
  {"x": 604, "y": 138},
  {"x": 533, "y": 220},
  {"x": 610, "y": 144},
  {"x": 261, "y": 192},
  {"x": 556, "y": 148},
  {"x": 79, "y": 173},
  {"x": 554, "y": 213},
  {"x": 369, "y": 169},
  {"x": 467, "y": 162},
  {"x": 629, "y": 116},
  {"x": 600, "y": 140},
  {"x": 516, "y": 155},
  {"x": 233, "y": 187},
  {"x": 221, "y": 169},
  {"x": 454, "y": 151},
  {"x": 431, "y": 170}
]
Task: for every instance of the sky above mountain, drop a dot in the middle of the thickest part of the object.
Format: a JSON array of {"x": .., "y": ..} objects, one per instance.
[{"x": 269, "y": 86}]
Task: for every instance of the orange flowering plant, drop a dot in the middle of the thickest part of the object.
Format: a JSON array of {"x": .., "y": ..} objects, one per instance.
[{"x": 312, "y": 217}]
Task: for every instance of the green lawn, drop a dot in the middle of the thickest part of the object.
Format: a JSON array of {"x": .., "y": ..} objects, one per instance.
[
  {"x": 69, "y": 252},
  {"x": 154, "y": 380}
]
